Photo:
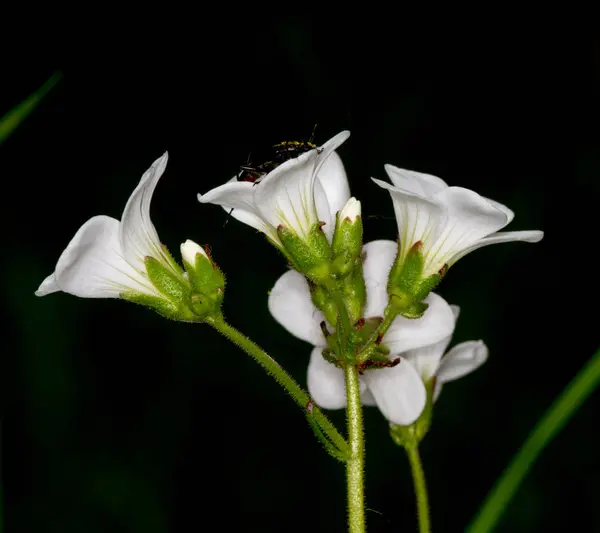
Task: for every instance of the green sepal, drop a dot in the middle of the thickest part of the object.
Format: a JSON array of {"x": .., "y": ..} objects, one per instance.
[
  {"x": 174, "y": 264},
  {"x": 205, "y": 276},
  {"x": 311, "y": 256},
  {"x": 330, "y": 357},
  {"x": 406, "y": 305},
  {"x": 160, "y": 305},
  {"x": 324, "y": 302},
  {"x": 428, "y": 284},
  {"x": 406, "y": 280},
  {"x": 318, "y": 243},
  {"x": 343, "y": 264},
  {"x": 347, "y": 237},
  {"x": 167, "y": 282},
  {"x": 203, "y": 305},
  {"x": 354, "y": 294},
  {"x": 406, "y": 274}
]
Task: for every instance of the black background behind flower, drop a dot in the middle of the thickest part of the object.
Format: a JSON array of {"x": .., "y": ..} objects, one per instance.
[{"x": 118, "y": 420}]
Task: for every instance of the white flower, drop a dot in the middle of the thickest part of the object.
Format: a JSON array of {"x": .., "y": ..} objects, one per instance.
[
  {"x": 105, "y": 258},
  {"x": 297, "y": 194},
  {"x": 399, "y": 391},
  {"x": 450, "y": 222}
]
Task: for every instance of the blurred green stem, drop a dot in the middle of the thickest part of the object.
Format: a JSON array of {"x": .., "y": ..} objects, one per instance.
[
  {"x": 547, "y": 428},
  {"x": 273, "y": 368},
  {"x": 12, "y": 119},
  {"x": 412, "y": 451},
  {"x": 355, "y": 464}
]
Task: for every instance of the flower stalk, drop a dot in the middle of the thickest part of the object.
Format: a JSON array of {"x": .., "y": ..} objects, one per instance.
[
  {"x": 273, "y": 368},
  {"x": 355, "y": 464},
  {"x": 418, "y": 475}
]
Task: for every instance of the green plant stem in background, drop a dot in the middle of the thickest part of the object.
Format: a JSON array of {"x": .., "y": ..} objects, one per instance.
[
  {"x": 11, "y": 120},
  {"x": 355, "y": 462},
  {"x": 547, "y": 428},
  {"x": 273, "y": 368},
  {"x": 418, "y": 475},
  {"x": 1, "y": 491}
]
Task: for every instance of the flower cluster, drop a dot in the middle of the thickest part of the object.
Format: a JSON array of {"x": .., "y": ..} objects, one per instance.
[{"x": 369, "y": 306}]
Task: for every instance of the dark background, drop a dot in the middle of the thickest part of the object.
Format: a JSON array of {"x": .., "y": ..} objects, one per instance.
[{"x": 118, "y": 420}]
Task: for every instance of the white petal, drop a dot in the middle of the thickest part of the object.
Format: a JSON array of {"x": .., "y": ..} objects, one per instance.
[
  {"x": 436, "y": 324},
  {"x": 418, "y": 218},
  {"x": 415, "y": 182},
  {"x": 48, "y": 286},
  {"x": 286, "y": 195},
  {"x": 426, "y": 359},
  {"x": 398, "y": 391},
  {"x": 467, "y": 218},
  {"x": 291, "y": 306},
  {"x": 332, "y": 177},
  {"x": 239, "y": 196},
  {"x": 92, "y": 265},
  {"x": 461, "y": 360},
  {"x": 326, "y": 383},
  {"x": 455, "y": 311},
  {"x": 502, "y": 236},
  {"x": 189, "y": 250},
  {"x": 379, "y": 257},
  {"x": 351, "y": 210},
  {"x": 327, "y": 149},
  {"x": 508, "y": 212},
  {"x": 138, "y": 236},
  {"x": 323, "y": 210},
  {"x": 367, "y": 397}
]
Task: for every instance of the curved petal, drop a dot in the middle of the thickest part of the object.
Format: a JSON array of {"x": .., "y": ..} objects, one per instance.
[
  {"x": 378, "y": 259},
  {"x": 92, "y": 265},
  {"x": 398, "y": 391},
  {"x": 239, "y": 196},
  {"x": 334, "y": 181},
  {"x": 327, "y": 149},
  {"x": 291, "y": 306},
  {"x": 326, "y": 383},
  {"x": 138, "y": 237},
  {"x": 509, "y": 212},
  {"x": 467, "y": 218},
  {"x": 418, "y": 218},
  {"x": 501, "y": 236},
  {"x": 286, "y": 195},
  {"x": 418, "y": 183},
  {"x": 48, "y": 286},
  {"x": 407, "y": 333},
  {"x": 461, "y": 360}
]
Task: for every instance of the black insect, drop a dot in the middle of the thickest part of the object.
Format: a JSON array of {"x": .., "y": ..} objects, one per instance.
[
  {"x": 274, "y": 156},
  {"x": 271, "y": 158}
]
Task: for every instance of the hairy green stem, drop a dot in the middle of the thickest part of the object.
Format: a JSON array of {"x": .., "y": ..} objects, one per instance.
[
  {"x": 547, "y": 428},
  {"x": 355, "y": 462},
  {"x": 273, "y": 368},
  {"x": 420, "y": 488}
]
